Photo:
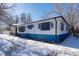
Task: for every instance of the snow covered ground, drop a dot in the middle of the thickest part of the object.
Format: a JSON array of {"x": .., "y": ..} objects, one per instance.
[
  {"x": 15, "y": 46},
  {"x": 72, "y": 42}
]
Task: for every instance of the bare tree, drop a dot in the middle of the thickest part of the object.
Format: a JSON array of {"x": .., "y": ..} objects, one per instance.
[
  {"x": 16, "y": 19},
  {"x": 29, "y": 19},
  {"x": 23, "y": 18},
  {"x": 10, "y": 20},
  {"x": 69, "y": 11},
  {"x": 4, "y": 12}
]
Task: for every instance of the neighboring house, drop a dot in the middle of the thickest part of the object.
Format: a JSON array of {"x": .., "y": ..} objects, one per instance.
[{"x": 53, "y": 30}]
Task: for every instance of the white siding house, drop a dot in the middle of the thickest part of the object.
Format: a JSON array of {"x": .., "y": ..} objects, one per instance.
[{"x": 54, "y": 30}]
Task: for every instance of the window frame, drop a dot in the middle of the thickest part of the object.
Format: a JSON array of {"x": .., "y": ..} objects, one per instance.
[
  {"x": 22, "y": 29},
  {"x": 42, "y": 27},
  {"x": 67, "y": 28},
  {"x": 51, "y": 25},
  {"x": 30, "y": 26},
  {"x": 62, "y": 26}
]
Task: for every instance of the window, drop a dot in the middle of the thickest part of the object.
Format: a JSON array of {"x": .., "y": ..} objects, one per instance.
[
  {"x": 62, "y": 26},
  {"x": 66, "y": 28},
  {"x": 44, "y": 26},
  {"x": 52, "y": 25},
  {"x": 22, "y": 29},
  {"x": 30, "y": 26}
]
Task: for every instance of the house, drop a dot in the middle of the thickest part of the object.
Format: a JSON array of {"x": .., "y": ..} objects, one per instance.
[{"x": 53, "y": 30}]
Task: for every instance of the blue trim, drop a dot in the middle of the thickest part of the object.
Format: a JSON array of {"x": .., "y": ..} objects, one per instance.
[
  {"x": 43, "y": 37},
  {"x": 62, "y": 37}
]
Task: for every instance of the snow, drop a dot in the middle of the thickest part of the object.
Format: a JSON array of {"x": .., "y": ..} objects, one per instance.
[
  {"x": 15, "y": 46},
  {"x": 56, "y": 50},
  {"x": 72, "y": 42}
]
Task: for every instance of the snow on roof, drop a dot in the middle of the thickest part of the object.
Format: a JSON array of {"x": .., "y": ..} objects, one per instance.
[{"x": 17, "y": 25}]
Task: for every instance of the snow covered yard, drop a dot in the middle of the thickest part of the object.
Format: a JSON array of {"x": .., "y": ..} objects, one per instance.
[
  {"x": 72, "y": 42},
  {"x": 15, "y": 46}
]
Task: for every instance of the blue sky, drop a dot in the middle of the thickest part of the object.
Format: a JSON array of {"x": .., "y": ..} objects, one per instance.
[{"x": 36, "y": 9}]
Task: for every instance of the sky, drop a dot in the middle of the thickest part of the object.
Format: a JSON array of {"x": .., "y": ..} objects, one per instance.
[{"x": 36, "y": 9}]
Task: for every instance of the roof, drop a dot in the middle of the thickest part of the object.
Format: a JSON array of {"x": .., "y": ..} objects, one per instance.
[
  {"x": 45, "y": 19},
  {"x": 50, "y": 18}
]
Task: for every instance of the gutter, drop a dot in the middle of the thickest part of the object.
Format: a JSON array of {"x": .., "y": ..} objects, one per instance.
[{"x": 56, "y": 29}]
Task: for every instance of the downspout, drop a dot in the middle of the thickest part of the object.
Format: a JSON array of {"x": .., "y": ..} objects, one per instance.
[{"x": 56, "y": 30}]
